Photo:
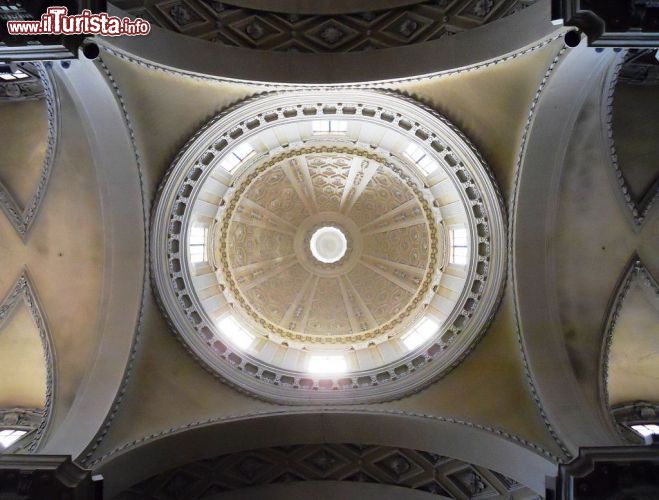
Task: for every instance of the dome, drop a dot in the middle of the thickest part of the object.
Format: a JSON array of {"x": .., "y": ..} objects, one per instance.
[
  {"x": 329, "y": 246},
  {"x": 353, "y": 203}
]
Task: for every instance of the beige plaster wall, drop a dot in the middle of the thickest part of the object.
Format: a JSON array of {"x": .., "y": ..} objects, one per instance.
[
  {"x": 23, "y": 142},
  {"x": 23, "y": 369}
]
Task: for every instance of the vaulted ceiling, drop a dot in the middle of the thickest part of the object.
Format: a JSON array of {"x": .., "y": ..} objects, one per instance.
[{"x": 570, "y": 146}]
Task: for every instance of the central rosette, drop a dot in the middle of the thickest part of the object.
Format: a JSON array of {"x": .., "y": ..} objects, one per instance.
[{"x": 327, "y": 244}]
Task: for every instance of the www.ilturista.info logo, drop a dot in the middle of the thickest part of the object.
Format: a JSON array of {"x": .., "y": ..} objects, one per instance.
[{"x": 56, "y": 21}]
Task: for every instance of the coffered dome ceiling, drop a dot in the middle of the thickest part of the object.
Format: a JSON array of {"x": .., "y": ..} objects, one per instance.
[
  {"x": 329, "y": 246},
  {"x": 271, "y": 248}
]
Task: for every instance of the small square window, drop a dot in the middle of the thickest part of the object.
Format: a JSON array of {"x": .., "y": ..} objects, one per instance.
[
  {"x": 235, "y": 333},
  {"x": 426, "y": 328},
  {"x": 237, "y": 155},
  {"x": 422, "y": 160},
  {"x": 646, "y": 429},
  {"x": 327, "y": 364},
  {"x": 9, "y": 437}
]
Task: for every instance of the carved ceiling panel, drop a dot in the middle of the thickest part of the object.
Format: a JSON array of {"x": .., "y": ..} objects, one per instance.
[
  {"x": 414, "y": 469},
  {"x": 221, "y": 22},
  {"x": 374, "y": 208}
]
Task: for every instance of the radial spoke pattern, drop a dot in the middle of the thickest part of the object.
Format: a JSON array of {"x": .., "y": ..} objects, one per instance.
[{"x": 387, "y": 219}]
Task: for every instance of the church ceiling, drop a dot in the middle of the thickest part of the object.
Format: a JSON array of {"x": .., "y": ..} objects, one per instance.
[
  {"x": 630, "y": 359},
  {"x": 29, "y": 113},
  {"x": 257, "y": 263},
  {"x": 161, "y": 123},
  {"x": 632, "y": 109},
  {"x": 26, "y": 362},
  {"x": 423, "y": 259},
  {"x": 413, "y": 469},
  {"x": 224, "y": 23},
  {"x": 50, "y": 249}
]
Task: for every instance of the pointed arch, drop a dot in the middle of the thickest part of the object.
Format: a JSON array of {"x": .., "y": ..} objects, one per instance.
[
  {"x": 24, "y": 292},
  {"x": 22, "y": 217}
]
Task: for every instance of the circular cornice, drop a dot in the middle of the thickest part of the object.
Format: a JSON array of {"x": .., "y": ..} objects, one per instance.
[{"x": 459, "y": 192}]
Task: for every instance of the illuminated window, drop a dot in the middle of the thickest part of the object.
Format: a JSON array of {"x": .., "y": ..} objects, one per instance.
[
  {"x": 646, "y": 429},
  {"x": 14, "y": 75},
  {"x": 426, "y": 328},
  {"x": 419, "y": 156},
  {"x": 331, "y": 127},
  {"x": 327, "y": 364},
  {"x": 9, "y": 437},
  {"x": 197, "y": 244},
  {"x": 237, "y": 155},
  {"x": 459, "y": 249},
  {"x": 235, "y": 333}
]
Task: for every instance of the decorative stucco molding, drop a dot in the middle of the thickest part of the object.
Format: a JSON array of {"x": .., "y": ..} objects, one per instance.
[
  {"x": 349, "y": 462},
  {"x": 121, "y": 54},
  {"x": 638, "y": 208},
  {"x": 24, "y": 89},
  {"x": 635, "y": 412},
  {"x": 465, "y": 324},
  {"x": 22, "y": 419},
  {"x": 23, "y": 217},
  {"x": 100, "y": 460},
  {"x": 235, "y": 26},
  {"x": 23, "y": 290},
  {"x": 511, "y": 269},
  {"x": 503, "y": 40},
  {"x": 635, "y": 271},
  {"x": 196, "y": 75},
  {"x": 144, "y": 202}
]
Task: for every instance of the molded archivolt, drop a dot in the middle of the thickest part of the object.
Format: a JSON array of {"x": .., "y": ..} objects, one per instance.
[
  {"x": 630, "y": 352},
  {"x": 423, "y": 442},
  {"x": 26, "y": 356},
  {"x": 630, "y": 111},
  {"x": 24, "y": 93}
]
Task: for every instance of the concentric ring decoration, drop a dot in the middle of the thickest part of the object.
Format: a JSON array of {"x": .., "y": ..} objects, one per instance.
[{"x": 423, "y": 268}]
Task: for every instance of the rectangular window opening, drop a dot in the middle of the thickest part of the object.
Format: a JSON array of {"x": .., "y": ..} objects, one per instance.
[
  {"x": 459, "y": 247},
  {"x": 236, "y": 156},
  {"x": 423, "y": 161},
  {"x": 235, "y": 333},
  {"x": 327, "y": 364},
  {"x": 197, "y": 244},
  {"x": 9, "y": 437},
  {"x": 426, "y": 328}
]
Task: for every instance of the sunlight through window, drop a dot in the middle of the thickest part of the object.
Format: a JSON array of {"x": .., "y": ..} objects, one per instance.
[
  {"x": 235, "y": 333},
  {"x": 327, "y": 364}
]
